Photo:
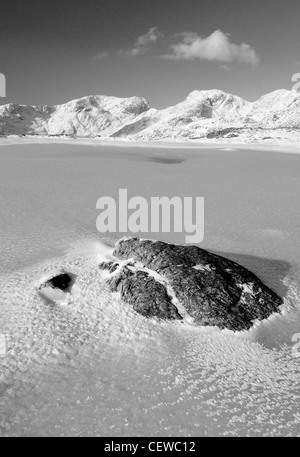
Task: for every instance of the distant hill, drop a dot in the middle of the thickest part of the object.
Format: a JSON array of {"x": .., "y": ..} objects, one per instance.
[{"x": 211, "y": 114}]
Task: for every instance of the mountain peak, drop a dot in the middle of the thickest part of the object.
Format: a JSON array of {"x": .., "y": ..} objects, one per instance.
[
  {"x": 196, "y": 95},
  {"x": 202, "y": 113}
]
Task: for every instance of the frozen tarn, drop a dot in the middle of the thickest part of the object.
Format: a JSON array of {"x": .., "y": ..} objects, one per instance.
[{"x": 95, "y": 367}]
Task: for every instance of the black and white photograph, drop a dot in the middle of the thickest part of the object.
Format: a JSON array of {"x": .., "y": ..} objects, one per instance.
[{"x": 150, "y": 221}]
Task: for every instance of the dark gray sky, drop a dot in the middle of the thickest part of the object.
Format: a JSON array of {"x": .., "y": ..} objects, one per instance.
[{"x": 57, "y": 50}]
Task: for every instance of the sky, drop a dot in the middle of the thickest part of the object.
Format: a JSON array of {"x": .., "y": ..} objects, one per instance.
[{"x": 58, "y": 50}]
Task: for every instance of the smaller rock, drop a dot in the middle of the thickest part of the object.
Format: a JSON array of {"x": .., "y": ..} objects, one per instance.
[
  {"x": 56, "y": 289},
  {"x": 63, "y": 282}
]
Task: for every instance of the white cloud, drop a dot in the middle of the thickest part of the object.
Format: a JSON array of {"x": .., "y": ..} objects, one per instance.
[
  {"x": 216, "y": 46},
  {"x": 100, "y": 56},
  {"x": 143, "y": 43}
]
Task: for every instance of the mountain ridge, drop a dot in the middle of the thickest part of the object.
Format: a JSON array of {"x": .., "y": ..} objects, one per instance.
[{"x": 203, "y": 114}]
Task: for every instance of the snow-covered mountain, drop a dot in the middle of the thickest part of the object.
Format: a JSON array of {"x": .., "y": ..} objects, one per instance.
[
  {"x": 207, "y": 114},
  {"x": 88, "y": 116}
]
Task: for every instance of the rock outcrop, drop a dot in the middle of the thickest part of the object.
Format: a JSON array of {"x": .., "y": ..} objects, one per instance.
[
  {"x": 177, "y": 282},
  {"x": 56, "y": 286}
]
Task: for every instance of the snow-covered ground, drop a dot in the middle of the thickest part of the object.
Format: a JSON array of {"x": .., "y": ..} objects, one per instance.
[
  {"x": 283, "y": 145},
  {"x": 95, "y": 367}
]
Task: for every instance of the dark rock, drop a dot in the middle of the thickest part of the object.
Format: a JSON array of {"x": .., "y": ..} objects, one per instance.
[
  {"x": 110, "y": 266},
  {"x": 209, "y": 288},
  {"x": 62, "y": 281},
  {"x": 167, "y": 160},
  {"x": 144, "y": 293},
  {"x": 230, "y": 132}
]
